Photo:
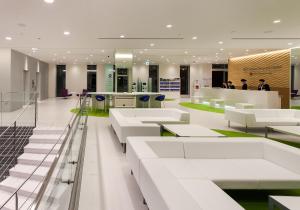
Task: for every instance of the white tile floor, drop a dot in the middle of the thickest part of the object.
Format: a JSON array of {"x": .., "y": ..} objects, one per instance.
[{"x": 106, "y": 182}]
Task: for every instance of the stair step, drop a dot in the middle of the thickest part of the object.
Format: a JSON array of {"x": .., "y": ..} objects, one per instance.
[
  {"x": 35, "y": 159},
  {"x": 46, "y": 139},
  {"x": 41, "y": 148},
  {"x": 29, "y": 189},
  {"x": 23, "y": 202},
  {"x": 24, "y": 171},
  {"x": 48, "y": 130}
]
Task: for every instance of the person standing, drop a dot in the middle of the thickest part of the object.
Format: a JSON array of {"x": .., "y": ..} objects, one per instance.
[
  {"x": 263, "y": 85},
  {"x": 244, "y": 84},
  {"x": 230, "y": 85}
]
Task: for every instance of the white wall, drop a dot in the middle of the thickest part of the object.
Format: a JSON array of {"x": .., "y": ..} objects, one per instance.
[
  {"x": 202, "y": 73},
  {"x": 76, "y": 78},
  {"x": 5, "y": 61},
  {"x": 297, "y": 77},
  {"x": 140, "y": 72}
]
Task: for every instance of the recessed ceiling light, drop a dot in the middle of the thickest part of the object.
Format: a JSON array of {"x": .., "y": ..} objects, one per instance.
[
  {"x": 91, "y": 55},
  {"x": 152, "y": 44},
  {"x": 186, "y": 52},
  {"x": 122, "y": 36},
  {"x": 220, "y": 42},
  {"x": 221, "y": 49},
  {"x": 290, "y": 43},
  {"x": 194, "y": 38},
  {"x": 34, "y": 49},
  {"x": 8, "y": 38},
  {"x": 67, "y": 33},
  {"x": 247, "y": 50},
  {"x": 49, "y": 1},
  {"x": 169, "y": 26},
  {"x": 276, "y": 21},
  {"x": 194, "y": 56},
  {"x": 103, "y": 51}
]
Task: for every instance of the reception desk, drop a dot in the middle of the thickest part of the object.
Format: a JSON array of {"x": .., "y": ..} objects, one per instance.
[
  {"x": 126, "y": 100},
  {"x": 231, "y": 97}
]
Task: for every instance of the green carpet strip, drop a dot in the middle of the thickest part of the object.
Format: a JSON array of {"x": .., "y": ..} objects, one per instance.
[
  {"x": 93, "y": 112},
  {"x": 201, "y": 107}
]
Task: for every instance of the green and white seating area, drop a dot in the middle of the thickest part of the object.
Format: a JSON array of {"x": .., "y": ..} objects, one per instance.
[{"x": 191, "y": 173}]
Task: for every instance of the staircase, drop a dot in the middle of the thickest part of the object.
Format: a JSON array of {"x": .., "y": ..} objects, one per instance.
[{"x": 40, "y": 144}]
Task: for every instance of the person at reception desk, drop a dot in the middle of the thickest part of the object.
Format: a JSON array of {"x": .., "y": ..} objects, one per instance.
[
  {"x": 244, "y": 84},
  {"x": 224, "y": 85},
  {"x": 230, "y": 85},
  {"x": 263, "y": 85}
]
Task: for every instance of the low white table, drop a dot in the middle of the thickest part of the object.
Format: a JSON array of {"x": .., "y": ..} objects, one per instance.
[
  {"x": 284, "y": 202},
  {"x": 291, "y": 130},
  {"x": 190, "y": 130},
  {"x": 244, "y": 106}
]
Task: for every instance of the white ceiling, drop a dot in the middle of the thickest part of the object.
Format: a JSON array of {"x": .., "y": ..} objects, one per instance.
[{"x": 33, "y": 23}]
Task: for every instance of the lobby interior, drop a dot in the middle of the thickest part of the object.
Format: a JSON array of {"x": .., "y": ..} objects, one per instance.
[{"x": 160, "y": 105}]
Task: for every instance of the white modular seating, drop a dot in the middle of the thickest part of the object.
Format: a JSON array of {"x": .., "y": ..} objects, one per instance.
[
  {"x": 144, "y": 122},
  {"x": 263, "y": 117},
  {"x": 232, "y": 97},
  {"x": 184, "y": 173}
]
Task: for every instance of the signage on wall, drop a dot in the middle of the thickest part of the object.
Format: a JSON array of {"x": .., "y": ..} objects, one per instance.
[{"x": 262, "y": 70}]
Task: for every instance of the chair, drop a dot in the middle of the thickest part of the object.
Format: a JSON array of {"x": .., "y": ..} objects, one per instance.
[
  {"x": 101, "y": 98},
  {"x": 145, "y": 99},
  {"x": 65, "y": 93},
  {"x": 161, "y": 98}
]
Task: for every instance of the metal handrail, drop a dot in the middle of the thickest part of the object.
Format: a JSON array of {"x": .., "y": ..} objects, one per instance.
[
  {"x": 21, "y": 113},
  {"x": 47, "y": 178}
]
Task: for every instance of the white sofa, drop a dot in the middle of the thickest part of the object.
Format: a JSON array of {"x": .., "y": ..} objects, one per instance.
[
  {"x": 180, "y": 173},
  {"x": 144, "y": 122},
  {"x": 262, "y": 117}
]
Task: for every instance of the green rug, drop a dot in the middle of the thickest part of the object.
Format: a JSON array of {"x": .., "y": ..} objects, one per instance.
[
  {"x": 93, "y": 112},
  {"x": 201, "y": 107},
  {"x": 167, "y": 133},
  {"x": 234, "y": 133},
  {"x": 170, "y": 99},
  {"x": 295, "y": 107}
]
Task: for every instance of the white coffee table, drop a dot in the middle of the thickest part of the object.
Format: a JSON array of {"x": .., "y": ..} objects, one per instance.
[
  {"x": 284, "y": 202},
  {"x": 291, "y": 130},
  {"x": 190, "y": 130}
]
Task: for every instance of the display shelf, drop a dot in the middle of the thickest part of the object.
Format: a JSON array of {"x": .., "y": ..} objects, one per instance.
[{"x": 169, "y": 85}]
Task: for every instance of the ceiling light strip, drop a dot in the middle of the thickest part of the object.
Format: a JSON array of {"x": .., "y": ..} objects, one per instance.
[
  {"x": 137, "y": 38},
  {"x": 264, "y": 38}
]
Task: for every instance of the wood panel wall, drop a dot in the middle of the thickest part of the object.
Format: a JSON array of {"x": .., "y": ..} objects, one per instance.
[{"x": 274, "y": 67}]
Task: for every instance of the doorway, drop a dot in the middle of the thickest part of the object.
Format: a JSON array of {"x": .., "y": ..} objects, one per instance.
[
  {"x": 91, "y": 78},
  {"x": 184, "y": 80},
  {"x": 60, "y": 79},
  {"x": 122, "y": 80},
  {"x": 153, "y": 75}
]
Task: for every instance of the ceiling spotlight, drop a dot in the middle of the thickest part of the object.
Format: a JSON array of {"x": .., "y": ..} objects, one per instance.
[
  {"x": 186, "y": 52},
  {"x": 247, "y": 50},
  {"x": 34, "y": 49},
  {"x": 220, "y": 42},
  {"x": 103, "y": 51},
  {"x": 122, "y": 36},
  {"x": 49, "y": 1},
  {"x": 194, "y": 38},
  {"x": 276, "y": 21},
  {"x": 290, "y": 43},
  {"x": 8, "y": 38},
  {"x": 67, "y": 33},
  {"x": 169, "y": 26},
  {"x": 221, "y": 49},
  {"x": 152, "y": 44},
  {"x": 91, "y": 55}
]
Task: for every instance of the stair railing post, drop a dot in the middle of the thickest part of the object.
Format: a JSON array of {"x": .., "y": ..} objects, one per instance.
[
  {"x": 35, "y": 110},
  {"x": 17, "y": 202},
  {"x": 15, "y": 142}
]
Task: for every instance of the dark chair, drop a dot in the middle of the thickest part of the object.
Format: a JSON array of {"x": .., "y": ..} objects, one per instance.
[
  {"x": 145, "y": 99},
  {"x": 65, "y": 93},
  {"x": 294, "y": 93},
  {"x": 161, "y": 98},
  {"x": 101, "y": 98}
]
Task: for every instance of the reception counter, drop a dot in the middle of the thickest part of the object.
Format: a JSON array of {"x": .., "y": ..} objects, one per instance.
[
  {"x": 128, "y": 100},
  {"x": 231, "y": 97}
]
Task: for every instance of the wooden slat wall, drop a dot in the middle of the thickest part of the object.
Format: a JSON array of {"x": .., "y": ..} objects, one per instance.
[{"x": 274, "y": 67}]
